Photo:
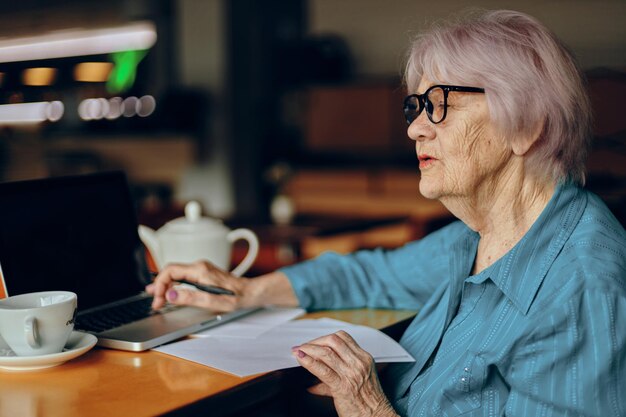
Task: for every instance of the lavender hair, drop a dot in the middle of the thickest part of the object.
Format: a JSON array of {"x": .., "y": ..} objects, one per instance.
[{"x": 530, "y": 79}]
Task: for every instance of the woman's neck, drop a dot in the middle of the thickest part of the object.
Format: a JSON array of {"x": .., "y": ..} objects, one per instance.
[{"x": 501, "y": 214}]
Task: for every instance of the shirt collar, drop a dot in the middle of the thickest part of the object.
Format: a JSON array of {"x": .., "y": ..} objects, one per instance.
[{"x": 520, "y": 272}]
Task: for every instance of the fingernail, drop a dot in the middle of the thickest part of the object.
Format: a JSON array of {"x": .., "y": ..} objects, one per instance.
[
  {"x": 301, "y": 354},
  {"x": 172, "y": 295},
  {"x": 295, "y": 347}
]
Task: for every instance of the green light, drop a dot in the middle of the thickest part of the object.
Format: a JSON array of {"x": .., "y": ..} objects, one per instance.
[{"x": 124, "y": 72}]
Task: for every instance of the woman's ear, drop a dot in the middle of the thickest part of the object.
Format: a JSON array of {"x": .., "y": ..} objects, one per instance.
[{"x": 523, "y": 143}]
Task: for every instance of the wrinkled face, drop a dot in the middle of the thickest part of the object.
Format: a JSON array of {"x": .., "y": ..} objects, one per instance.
[{"x": 463, "y": 155}]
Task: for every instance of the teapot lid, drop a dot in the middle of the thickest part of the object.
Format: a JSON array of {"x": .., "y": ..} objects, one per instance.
[
  {"x": 193, "y": 222},
  {"x": 192, "y": 211}
]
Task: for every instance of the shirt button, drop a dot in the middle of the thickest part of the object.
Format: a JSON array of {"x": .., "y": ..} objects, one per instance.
[
  {"x": 466, "y": 369},
  {"x": 463, "y": 379}
]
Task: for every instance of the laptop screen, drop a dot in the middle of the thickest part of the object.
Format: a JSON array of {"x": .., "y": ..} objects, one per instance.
[{"x": 71, "y": 233}]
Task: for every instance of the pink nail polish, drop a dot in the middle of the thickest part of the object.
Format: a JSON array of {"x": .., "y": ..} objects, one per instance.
[
  {"x": 301, "y": 354},
  {"x": 172, "y": 295}
]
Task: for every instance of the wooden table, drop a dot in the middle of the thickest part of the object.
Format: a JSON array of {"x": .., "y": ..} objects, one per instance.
[{"x": 114, "y": 383}]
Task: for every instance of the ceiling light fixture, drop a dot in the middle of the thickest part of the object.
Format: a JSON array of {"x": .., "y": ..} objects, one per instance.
[
  {"x": 79, "y": 42},
  {"x": 31, "y": 113},
  {"x": 92, "y": 72},
  {"x": 41, "y": 76}
]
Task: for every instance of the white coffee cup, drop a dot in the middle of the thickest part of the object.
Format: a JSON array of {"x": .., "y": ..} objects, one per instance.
[{"x": 37, "y": 323}]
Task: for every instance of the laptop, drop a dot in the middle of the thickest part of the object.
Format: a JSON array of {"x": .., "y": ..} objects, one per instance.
[{"x": 79, "y": 234}]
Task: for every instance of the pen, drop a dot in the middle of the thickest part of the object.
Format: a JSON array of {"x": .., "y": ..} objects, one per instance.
[
  {"x": 212, "y": 289},
  {"x": 207, "y": 288}
]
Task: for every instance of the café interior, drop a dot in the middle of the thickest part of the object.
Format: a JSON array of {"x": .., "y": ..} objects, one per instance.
[{"x": 281, "y": 116}]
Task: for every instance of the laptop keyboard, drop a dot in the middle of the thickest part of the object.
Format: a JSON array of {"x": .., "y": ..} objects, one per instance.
[{"x": 115, "y": 316}]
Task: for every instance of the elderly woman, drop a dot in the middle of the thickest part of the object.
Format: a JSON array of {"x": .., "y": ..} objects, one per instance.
[{"x": 522, "y": 303}]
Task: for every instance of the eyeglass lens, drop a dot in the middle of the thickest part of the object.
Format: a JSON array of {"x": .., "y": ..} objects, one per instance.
[{"x": 434, "y": 100}]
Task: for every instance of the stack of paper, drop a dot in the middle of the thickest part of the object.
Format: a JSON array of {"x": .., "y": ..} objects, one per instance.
[
  {"x": 271, "y": 350},
  {"x": 255, "y": 324}
]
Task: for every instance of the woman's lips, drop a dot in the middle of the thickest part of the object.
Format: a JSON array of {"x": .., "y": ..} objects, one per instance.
[{"x": 425, "y": 161}]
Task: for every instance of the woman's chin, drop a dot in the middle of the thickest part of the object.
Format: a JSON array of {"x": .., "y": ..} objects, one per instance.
[{"x": 428, "y": 190}]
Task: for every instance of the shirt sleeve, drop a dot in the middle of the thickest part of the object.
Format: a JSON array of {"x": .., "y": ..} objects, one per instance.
[
  {"x": 400, "y": 278},
  {"x": 574, "y": 362}
]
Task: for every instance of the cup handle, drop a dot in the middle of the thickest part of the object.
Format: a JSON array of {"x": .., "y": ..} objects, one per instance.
[
  {"x": 31, "y": 332},
  {"x": 253, "y": 249}
]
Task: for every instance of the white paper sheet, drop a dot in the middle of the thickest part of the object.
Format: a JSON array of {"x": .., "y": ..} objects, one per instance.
[
  {"x": 272, "y": 350},
  {"x": 255, "y": 324}
]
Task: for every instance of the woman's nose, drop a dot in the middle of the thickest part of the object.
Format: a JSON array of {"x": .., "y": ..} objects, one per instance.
[{"x": 421, "y": 128}]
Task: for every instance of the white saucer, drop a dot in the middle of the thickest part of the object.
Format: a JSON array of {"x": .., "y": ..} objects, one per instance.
[{"x": 77, "y": 344}]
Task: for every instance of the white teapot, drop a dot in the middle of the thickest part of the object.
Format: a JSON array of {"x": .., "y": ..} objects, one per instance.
[{"x": 192, "y": 238}]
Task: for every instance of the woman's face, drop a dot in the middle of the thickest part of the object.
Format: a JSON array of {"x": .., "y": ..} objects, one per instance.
[{"x": 463, "y": 155}]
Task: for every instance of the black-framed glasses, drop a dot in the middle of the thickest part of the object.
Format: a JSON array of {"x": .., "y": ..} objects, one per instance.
[{"x": 434, "y": 100}]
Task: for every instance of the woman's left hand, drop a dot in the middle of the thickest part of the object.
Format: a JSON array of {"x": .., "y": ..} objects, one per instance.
[{"x": 347, "y": 373}]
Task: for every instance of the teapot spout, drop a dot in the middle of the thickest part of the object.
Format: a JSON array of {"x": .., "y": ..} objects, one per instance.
[{"x": 151, "y": 242}]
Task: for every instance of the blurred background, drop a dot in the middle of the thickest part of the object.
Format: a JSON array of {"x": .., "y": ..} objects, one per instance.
[{"x": 268, "y": 112}]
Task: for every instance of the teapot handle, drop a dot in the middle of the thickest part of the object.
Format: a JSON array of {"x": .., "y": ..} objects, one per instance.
[{"x": 253, "y": 249}]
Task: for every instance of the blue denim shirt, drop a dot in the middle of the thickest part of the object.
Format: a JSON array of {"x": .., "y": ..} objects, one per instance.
[{"x": 541, "y": 332}]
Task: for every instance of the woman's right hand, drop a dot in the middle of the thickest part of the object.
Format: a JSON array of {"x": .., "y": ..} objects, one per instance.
[
  {"x": 273, "y": 288},
  {"x": 164, "y": 288}
]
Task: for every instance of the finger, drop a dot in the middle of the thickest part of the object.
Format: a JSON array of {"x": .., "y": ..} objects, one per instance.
[
  {"x": 350, "y": 343},
  {"x": 320, "y": 369},
  {"x": 161, "y": 284},
  {"x": 340, "y": 352},
  {"x": 341, "y": 347},
  {"x": 168, "y": 277},
  {"x": 325, "y": 354},
  {"x": 320, "y": 389},
  {"x": 220, "y": 303},
  {"x": 191, "y": 272},
  {"x": 362, "y": 354},
  {"x": 204, "y": 273},
  {"x": 158, "y": 295},
  {"x": 345, "y": 336},
  {"x": 364, "y": 363}
]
